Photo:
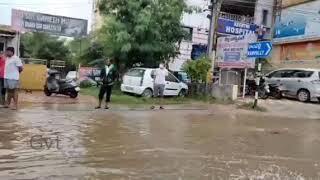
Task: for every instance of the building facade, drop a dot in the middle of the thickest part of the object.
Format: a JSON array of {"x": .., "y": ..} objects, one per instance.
[
  {"x": 96, "y": 16},
  {"x": 297, "y": 36},
  {"x": 236, "y": 18},
  {"x": 9, "y": 38}
]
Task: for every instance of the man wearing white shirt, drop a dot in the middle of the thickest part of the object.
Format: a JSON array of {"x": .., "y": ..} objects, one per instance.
[
  {"x": 159, "y": 75},
  {"x": 13, "y": 68}
]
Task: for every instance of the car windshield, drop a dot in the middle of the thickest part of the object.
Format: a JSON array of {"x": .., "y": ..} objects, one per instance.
[{"x": 135, "y": 72}]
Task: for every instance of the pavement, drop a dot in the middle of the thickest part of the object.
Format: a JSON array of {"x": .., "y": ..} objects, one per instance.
[{"x": 62, "y": 138}]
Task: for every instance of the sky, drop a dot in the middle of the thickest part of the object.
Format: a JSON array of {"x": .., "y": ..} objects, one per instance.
[
  {"x": 80, "y": 9},
  {"x": 70, "y": 8}
]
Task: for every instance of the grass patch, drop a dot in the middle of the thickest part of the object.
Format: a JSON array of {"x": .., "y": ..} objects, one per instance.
[
  {"x": 249, "y": 106},
  {"x": 119, "y": 97}
]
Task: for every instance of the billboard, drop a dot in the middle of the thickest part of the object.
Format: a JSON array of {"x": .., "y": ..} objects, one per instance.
[
  {"x": 25, "y": 21},
  {"x": 299, "y": 22},
  {"x": 232, "y": 52},
  {"x": 226, "y": 26},
  {"x": 89, "y": 72}
]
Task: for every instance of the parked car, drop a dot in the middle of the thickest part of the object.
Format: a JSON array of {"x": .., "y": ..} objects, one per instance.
[
  {"x": 303, "y": 84},
  {"x": 139, "y": 81},
  {"x": 182, "y": 76}
]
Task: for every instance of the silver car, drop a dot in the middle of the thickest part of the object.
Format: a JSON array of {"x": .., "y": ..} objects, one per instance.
[{"x": 303, "y": 84}]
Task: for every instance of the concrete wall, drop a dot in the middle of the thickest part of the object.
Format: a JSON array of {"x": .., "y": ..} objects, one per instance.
[
  {"x": 97, "y": 19},
  {"x": 223, "y": 92},
  {"x": 258, "y": 15},
  {"x": 286, "y": 3},
  {"x": 278, "y": 61}
]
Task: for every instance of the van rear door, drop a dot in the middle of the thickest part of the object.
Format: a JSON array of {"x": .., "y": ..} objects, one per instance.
[{"x": 134, "y": 77}]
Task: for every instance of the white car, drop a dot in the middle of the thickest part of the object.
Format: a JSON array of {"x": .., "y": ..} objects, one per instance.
[
  {"x": 300, "y": 83},
  {"x": 139, "y": 81}
]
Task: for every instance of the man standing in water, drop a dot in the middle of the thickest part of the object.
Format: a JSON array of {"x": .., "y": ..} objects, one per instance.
[
  {"x": 2, "y": 89},
  {"x": 107, "y": 76},
  {"x": 159, "y": 83},
  {"x": 13, "y": 68}
]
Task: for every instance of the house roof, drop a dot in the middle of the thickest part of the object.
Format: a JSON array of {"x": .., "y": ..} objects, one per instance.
[{"x": 4, "y": 29}]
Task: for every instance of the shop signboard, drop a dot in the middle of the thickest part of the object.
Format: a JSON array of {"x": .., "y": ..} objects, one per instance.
[
  {"x": 230, "y": 27},
  {"x": 232, "y": 51},
  {"x": 25, "y": 21}
]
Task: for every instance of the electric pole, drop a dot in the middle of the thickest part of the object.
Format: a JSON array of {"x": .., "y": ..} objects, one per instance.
[
  {"x": 277, "y": 7},
  {"x": 214, "y": 8}
]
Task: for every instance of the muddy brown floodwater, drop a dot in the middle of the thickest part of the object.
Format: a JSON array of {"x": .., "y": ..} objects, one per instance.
[{"x": 74, "y": 142}]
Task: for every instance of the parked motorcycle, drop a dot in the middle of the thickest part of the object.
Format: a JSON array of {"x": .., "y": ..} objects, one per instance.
[
  {"x": 55, "y": 85},
  {"x": 269, "y": 90}
]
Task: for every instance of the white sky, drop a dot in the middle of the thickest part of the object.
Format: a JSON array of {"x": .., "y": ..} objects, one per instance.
[
  {"x": 79, "y": 9},
  {"x": 70, "y": 8}
]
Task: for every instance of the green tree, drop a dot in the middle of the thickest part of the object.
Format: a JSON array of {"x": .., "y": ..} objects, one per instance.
[
  {"x": 198, "y": 70},
  {"x": 144, "y": 31},
  {"x": 44, "y": 46}
]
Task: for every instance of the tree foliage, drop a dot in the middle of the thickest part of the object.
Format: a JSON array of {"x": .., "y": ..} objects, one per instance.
[
  {"x": 44, "y": 46},
  {"x": 198, "y": 70},
  {"x": 86, "y": 52},
  {"x": 144, "y": 31}
]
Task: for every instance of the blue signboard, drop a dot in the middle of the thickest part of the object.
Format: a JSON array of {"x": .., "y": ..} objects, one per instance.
[
  {"x": 232, "y": 56},
  {"x": 231, "y": 27},
  {"x": 259, "y": 49}
]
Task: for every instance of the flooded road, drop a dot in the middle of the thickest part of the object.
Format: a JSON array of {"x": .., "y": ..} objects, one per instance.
[{"x": 74, "y": 142}]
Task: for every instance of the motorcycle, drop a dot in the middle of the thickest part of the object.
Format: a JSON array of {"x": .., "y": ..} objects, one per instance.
[
  {"x": 55, "y": 85},
  {"x": 266, "y": 90}
]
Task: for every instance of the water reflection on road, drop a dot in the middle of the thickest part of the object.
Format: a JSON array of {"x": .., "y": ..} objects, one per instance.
[{"x": 160, "y": 145}]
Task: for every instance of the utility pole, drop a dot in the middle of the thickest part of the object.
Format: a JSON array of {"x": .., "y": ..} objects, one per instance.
[
  {"x": 215, "y": 8},
  {"x": 277, "y": 7}
]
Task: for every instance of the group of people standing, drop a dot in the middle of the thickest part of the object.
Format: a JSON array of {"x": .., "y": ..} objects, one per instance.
[{"x": 10, "y": 68}]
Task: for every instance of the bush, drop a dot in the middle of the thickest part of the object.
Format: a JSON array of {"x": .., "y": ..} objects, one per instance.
[
  {"x": 198, "y": 69},
  {"x": 86, "y": 84}
]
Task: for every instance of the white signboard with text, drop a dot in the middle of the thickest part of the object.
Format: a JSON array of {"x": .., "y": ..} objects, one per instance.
[{"x": 232, "y": 51}]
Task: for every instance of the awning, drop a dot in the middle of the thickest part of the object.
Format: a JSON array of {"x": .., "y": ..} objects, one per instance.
[{"x": 7, "y": 35}]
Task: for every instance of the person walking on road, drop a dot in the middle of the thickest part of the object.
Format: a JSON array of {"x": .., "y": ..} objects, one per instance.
[
  {"x": 159, "y": 76},
  {"x": 2, "y": 89},
  {"x": 13, "y": 68},
  {"x": 107, "y": 76}
]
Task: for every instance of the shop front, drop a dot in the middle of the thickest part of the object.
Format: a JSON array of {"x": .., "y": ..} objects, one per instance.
[{"x": 9, "y": 38}]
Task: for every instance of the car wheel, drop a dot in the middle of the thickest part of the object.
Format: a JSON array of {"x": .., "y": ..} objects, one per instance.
[
  {"x": 182, "y": 93},
  {"x": 303, "y": 95},
  {"x": 147, "y": 93}
]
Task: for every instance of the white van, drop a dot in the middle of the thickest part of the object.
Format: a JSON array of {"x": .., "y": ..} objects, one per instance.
[
  {"x": 300, "y": 83},
  {"x": 139, "y": 81}
]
